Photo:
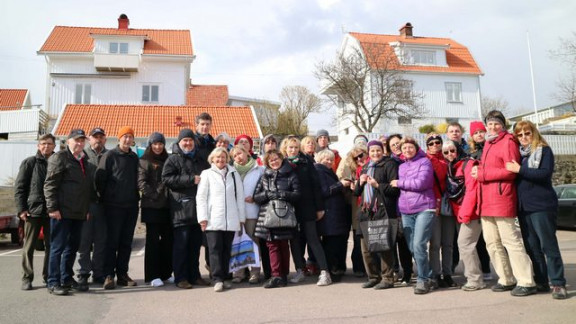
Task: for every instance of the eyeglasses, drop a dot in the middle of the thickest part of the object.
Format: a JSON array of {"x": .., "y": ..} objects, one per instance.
[
  {"x": 434, "y": 143},
  {"x": 395, "y": 144},
  {"x": 359, "y": 156},
  {"x": 527, "y": 134},
  {"x": 449, "y": 151}
]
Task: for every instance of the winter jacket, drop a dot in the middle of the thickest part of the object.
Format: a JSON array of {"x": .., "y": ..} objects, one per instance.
[
  {"x": 336, "y": 220},
  {"x": 250, "y": 182},
  {"x": 29, "y": 186},
  {"x": 116, "y": 178},
  {"x": 467, "y": 212},
  {"x": 497, "y": 191},
  {"x": 220, "y": 199},
  {"x": 386, "y": 196},
  {"x": 68, "y": 185},
  {"x": 178, "y": 175},
  {"x": 416, "y": 183},
  {"x": 440, "y": 166},
  {"x": 276, "y": 184},
  {"x": 535, "y": 191},
  {"x": 456, "y": 173},
  {"x": 94, "y": 158},
  {"x": 311, "y": 199},
  {"x": 204, "y": 146},
  {"x": 153, "y": 190}
]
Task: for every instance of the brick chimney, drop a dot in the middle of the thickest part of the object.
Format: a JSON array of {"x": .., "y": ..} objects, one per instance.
[
  {"x": 123, "y": 22},
  {"x": 406, "y": 30}
]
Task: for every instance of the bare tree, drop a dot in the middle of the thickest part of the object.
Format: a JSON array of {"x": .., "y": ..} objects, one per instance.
[
  {"x": 567, "y": 84},
  {"x": 267, "y": 115},
  {"x": 367, "y": 86},
  {"x": 488, "y": 104},
  {"x": 297, "y": 104}
]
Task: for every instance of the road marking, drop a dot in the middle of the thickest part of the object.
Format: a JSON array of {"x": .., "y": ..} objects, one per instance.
[
  {"x": 141, "y": 252},
  {"x": 9, "y": 252}
]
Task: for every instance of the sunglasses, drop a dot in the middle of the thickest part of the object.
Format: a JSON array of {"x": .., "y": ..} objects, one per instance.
[
  {"x": 449, "y": 151},
  {"x": 520, "y": 135},
  {"x": 434, "y": 143},
  {"x": 359, "y": 156}
]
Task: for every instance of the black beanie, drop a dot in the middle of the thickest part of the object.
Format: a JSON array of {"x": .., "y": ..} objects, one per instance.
[
  {"x": 186, "y": 133},
  {"x": 156, "y": 137}
]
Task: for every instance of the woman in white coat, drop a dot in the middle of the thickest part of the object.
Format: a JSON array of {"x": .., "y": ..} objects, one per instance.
[
  {"x": 250, "y": 172},
  {"x": 221, "y": 212}
]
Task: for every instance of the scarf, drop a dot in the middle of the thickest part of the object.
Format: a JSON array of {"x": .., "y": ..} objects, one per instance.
[
  {"x": 534, "y": 158},
  {"x": 491, "y": 137},
  {"x": 368, "y": 198},
  {"x": 243, "y": 169},
  {"x": 294, "y": 159}
]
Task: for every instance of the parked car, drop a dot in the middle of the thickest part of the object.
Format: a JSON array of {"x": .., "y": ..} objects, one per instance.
[
  {"x": 567, "y": 205},
  {"x": 11, "y": 224}
]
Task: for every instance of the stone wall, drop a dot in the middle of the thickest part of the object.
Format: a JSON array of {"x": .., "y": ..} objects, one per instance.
[{"x": 565, "y": 170}]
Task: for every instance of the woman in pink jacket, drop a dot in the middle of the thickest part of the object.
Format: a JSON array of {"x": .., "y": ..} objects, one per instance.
[{"x": 497, "y": 209}]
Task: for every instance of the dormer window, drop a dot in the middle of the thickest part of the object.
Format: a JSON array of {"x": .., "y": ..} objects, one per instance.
[
  {"x": 118, "y": 48},
  {"x": 420, "y": 57}
]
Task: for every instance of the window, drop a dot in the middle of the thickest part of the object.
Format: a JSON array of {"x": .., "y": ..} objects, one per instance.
[
  {"x": 83, "y": 93},
  {"x": 116, "y": 48},
  {"x": 150, "y": 93},
  {"x": 454, "y": 91},
  {"x": 420, "y": 57},
  {"x": 403, "y": 89},
  {"x": 404, "y": 121}
]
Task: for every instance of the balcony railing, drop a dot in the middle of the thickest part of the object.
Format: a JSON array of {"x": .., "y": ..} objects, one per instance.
[{"x": 116, "y": 62}]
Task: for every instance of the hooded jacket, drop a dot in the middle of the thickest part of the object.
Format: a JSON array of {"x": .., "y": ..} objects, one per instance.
[{"x": 416, "y": 183}]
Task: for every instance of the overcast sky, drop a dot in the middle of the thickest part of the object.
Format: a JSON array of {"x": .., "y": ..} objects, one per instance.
[{"x": 256, "y": 47}]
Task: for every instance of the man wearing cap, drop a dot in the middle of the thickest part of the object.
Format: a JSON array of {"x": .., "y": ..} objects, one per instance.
[
  {"x": 116, "y": 182},
  {"x": 94, "y": 229},
  {"x": 67, "y": 191},
  {"x": 31, "y": 207},
  {"x": 323, "y": 140}
]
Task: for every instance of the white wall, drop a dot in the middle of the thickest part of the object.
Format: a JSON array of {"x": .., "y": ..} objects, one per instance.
[{"x": 13, "y": 153}]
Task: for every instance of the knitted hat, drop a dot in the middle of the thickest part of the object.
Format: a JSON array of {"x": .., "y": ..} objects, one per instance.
[
  {"x": 125, "y": 130},
  {"x": 360, "y": 139},
  {"x": 322, "y": 132},
  {"x": 156, "y": 138},
  {"x": 246, "y": 137},
  {"x": 375, "y": 142},
  {"x": 476, "y": 126},
  {"x": 185, "y": 133},
  {"x": 495, "y": 116}
]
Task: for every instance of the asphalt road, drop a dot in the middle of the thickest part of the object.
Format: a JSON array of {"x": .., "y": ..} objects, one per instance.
[{"x": 344, "y": 302}]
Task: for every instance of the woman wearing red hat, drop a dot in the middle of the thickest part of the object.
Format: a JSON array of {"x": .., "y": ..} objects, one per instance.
[{"x": 247, "y": 142}]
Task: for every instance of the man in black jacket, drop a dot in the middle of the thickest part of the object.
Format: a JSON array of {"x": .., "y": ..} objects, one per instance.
[
  {"x": 67, "y": 191},
  {"x": 31, "y": 205},
  {"x": 116, "y": 182}
]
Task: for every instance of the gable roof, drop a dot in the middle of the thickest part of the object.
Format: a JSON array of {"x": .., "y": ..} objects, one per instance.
[
  {"x": 148, "y": 119},
  {"x": 458, "y": 57},
  {"x": 12, "y": 99},
  {"x": 207, "y": 95},
  {"x": 79, "y": 40}
]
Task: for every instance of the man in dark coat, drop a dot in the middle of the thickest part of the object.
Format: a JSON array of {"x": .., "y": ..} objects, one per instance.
[{"x": 31, "y": 207}]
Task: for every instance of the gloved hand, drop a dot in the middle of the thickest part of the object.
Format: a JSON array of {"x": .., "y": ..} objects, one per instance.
[{"x": 271, "y": 195}]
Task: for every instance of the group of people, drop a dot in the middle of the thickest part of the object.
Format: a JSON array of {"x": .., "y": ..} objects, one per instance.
[{"x": 440, "y": 204}]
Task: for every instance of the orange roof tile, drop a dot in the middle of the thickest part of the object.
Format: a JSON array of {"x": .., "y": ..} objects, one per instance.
[
  {"x": 458, "y": 57},
  {"x": 148, "y": 119},
  {"x": 158, "y": 41},
  {"x": 207, "y": 95},
  {"x": 12, "y": 99}
]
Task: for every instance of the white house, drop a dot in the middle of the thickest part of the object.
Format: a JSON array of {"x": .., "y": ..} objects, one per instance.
[
  {"x": 121, "y": 65},
  {"x": 19, "y": 119},
  {"x": 556, "y": 119},
  {"x": 440, "y": 69}
]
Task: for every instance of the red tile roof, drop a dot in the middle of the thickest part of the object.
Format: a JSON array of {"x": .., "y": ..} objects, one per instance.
[
  {"x": 148, "y": 119},
  {"x": 207, "y": 95},
  {"x": 12, "y": 99},
  {"x": 78, "y": 39},
  {"x": 458, "y": 57}
]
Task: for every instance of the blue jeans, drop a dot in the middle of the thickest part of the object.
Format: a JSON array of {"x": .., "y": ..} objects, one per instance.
[
  {"x": 64, "y": 241},
  {"x": 539, "y": 235},
  {"x": 418, "y": 231}
]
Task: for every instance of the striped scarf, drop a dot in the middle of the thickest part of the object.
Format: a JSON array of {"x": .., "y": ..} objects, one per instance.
[{"x": 368, "y": 198}]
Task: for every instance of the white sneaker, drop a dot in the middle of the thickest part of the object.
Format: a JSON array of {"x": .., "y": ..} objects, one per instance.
[
  {"x": 170, "y": 280},
  {"x": 157, "y": 282},
  {"x": 298, "y": 277},
  {"x": 219, "y": 287},
  {"x": 324, "y": 278},
  {"x": 487, "y": 276}
]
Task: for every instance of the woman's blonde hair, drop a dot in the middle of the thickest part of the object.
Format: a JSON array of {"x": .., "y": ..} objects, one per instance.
[
  {"x": 318, "y": 157},
  {"x": 537, "y": 139},
  {"x": 216, "y": 152},
  {"x": 353, "y": 153},
  {"x": 287, "y": 141},
  {"x": 305, "y": 141}
]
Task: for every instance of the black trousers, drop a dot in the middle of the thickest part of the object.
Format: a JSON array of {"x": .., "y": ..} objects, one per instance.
[
  {"x": 120, "y": 223},
  {"x": 357, "y": 261},
  {"x": 186, "y": 253},
  {"x": 335, "y": 247},
  {"x": 158, "y": 257},
  {"x": 219, "y": 249}
]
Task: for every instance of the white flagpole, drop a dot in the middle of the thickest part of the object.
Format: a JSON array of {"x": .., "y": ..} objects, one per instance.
[{"x": 532, "y": 77}]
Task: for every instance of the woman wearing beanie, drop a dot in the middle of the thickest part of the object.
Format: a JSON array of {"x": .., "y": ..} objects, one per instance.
[
  {"x": 497, "y": 207},
  {"x": 267, "y": 143},
  {"x": 417, "y": 203},
  {"x": 155, "y": 212},
  {"x": 246, "y": 142}
]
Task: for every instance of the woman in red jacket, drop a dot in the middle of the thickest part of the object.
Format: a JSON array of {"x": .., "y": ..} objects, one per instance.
[{"x": 497, "y": 208}]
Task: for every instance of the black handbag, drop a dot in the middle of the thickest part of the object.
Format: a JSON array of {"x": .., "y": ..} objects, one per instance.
[{"x": 279, "y": 214}]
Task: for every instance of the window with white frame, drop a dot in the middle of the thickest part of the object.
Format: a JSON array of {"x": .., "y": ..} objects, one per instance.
[
  {"x": 83, "y": 93},
  {"x": 421, "y": 57},
  {"x": 404, "y": 120},
  {"x": 118, "y": 48},
  {"x": 150, "y": 93},
  {"x": 454, "y": 91}
]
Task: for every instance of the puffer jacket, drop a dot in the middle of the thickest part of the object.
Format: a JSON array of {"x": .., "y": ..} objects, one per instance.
[
  {"x": 284, "y": 184},
  {"x": 386, "y": 196},
  {"x": 116, "y": 178},
  {"x": 336, "y": 220},
  {"x": 497, "y": 190},
  {"x": 416, "y": 183},
  {"x": 68, "y": 185},
  {"x": 29, "y": 186},
  {"x": 311, "y": 199},
  {"x": 178, "y": 175},
  {"x": 220, "y": 199}
]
